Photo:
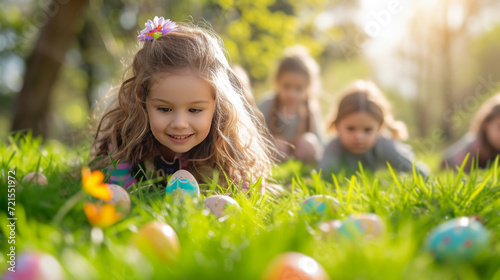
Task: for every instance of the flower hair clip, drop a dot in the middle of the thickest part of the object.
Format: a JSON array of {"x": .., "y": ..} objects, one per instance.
[{"x": 156, "y": 28}]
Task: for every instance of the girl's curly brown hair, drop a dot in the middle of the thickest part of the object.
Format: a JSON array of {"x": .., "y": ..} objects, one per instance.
[{"x": 238, "y": 143}]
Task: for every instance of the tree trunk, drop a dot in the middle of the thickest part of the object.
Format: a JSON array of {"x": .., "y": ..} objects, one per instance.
[{"x": 32, "y": 105}]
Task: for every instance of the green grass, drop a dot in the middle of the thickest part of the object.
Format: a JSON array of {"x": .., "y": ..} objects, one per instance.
[{"x": 242, "y": 246}]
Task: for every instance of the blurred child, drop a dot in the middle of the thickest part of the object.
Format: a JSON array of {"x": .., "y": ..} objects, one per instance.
[
  {"x": 182, "y": 107},
  {"x": 482, "y": 142},
  {"x": 292, "y": 113},
  {"x": 366, "y": 134}
]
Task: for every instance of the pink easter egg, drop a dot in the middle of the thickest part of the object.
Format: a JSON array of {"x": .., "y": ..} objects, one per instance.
[{"x": 37, "y": 266}]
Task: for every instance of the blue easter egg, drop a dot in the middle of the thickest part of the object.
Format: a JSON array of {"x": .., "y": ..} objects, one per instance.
[
  {"x": 460, "y": 239},
  {"x": 318, "y": 204},
  {"x": 182, "y": 182}
]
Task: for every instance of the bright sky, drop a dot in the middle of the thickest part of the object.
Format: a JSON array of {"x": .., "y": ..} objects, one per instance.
[{"x": 386, "y": 22}]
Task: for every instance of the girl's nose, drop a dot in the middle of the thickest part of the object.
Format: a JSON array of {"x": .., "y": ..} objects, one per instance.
[
  {"x": 359, "y": 135},
  {"x": 179, "y": 122}
]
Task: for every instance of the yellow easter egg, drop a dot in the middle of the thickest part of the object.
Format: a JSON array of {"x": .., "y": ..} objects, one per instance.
[{"x": 157, "y": 240}]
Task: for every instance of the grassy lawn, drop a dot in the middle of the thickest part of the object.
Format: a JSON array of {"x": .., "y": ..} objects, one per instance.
[{"x": 241, "y": 246}]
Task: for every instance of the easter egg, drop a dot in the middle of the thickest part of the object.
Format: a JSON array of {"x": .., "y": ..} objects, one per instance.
[
  {"x": 34, "y": 265},
  {"x": 120, "y": 199},
  {"x": 157, "y": 240},
  {"x": 221, "y": 205},
  {"x": 292, "y": 265},
  {"x": 36, "y": 178},
  {"x": 368, "y": 223},
  {"x": 318, "y": 204},
  {"x": 460, "y": 239},
  {"x": 331, "y": 229},
  {"x": 182, "y": 182}
]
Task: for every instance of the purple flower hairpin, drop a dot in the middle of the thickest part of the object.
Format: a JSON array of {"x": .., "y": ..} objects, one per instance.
[{"x": 154, "y": 29}]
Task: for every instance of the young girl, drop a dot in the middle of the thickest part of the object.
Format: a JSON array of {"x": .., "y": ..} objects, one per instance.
[
  {"x": 291, "y": 114},
  {"x": 182, "y": 107},
  {"x": 482, "y": 143},
  {"x": 366, "y": 134}
]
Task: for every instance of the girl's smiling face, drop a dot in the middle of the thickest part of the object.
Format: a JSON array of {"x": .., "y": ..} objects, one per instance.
[
  {"x": 358, "y": 132},
  {"x": 180, "y": 109}
]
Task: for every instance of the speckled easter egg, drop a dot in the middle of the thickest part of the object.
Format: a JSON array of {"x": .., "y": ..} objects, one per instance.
[
  {"x": 318, "y": 204},
  {"x": 120, "y": 199},
  {"x": 34, "y": 265},
  {"x": 35, "y": 178},
  {"x": 459, "y": 239},
  {"x": 221, "y": 205},
  {"x": 157, "y": 240},
  {"x": 292, "y": 265},
  {"x": 182, "y": 182}
]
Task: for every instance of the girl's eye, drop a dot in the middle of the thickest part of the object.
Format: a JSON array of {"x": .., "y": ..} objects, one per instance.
[
  {"x": 368, "y": 130},
  {"x": 165, "y": 110},
  {"x": 194, "y": 110},
  {"x": 351, "y": 128}
]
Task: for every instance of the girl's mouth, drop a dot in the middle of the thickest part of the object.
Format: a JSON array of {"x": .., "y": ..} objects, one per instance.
[{"x": 180, "y": 138}]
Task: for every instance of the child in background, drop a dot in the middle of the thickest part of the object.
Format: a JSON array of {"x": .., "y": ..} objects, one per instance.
[
  {"x": 182, "y": 107},
  {"x": 366, "y": 134},
  {"x": 482, "y": 142},
  {"x": 292, "y": 113}
]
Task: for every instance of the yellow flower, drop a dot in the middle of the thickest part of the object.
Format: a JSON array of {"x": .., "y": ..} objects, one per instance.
[
  {"x": 100, "y": 215},
  {"x": 93, "y": 184}
]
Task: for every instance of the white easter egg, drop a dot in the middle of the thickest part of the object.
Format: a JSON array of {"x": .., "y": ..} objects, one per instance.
[
  {"x": 120, "y": 199},
  {"x": 36, "y": 178},
  {"x": 221, "y": 204}
]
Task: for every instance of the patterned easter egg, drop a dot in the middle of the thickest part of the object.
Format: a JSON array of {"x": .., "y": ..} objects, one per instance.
[
  {"x": 35, "y": 178},
  {"x": 182, "y": 182},
  {"x": 120, "y": 199},
  {"x": 34, "y": 265},
  {"x": 157, "y": 240},
  {"x": 332, "y": 229},
  {"x": 459, "y": 239},
  {"x": 369, "y": 225},
  {"x": 292, "y": 265},
  {"x": 221, "y": 205},
  {"x": 318, "y": 204}
]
